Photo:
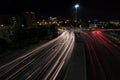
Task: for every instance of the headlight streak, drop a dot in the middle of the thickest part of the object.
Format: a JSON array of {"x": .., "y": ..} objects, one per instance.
[{"x": 46, "y": 60}]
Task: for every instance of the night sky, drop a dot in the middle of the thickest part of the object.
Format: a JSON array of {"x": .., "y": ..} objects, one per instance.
[{"x": 64, "y": 8}]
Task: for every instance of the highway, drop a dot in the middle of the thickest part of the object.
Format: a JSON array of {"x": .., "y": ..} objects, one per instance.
[
  {"x": 102, "y": 56},
  {"x": 91, "y": 54},
  {"x": 46, "y": 62}
]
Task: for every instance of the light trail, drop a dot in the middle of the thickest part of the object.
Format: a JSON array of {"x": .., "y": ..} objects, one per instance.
[
  {"x": 102, "y": 54},
  {"x": 43, "y": 62}
]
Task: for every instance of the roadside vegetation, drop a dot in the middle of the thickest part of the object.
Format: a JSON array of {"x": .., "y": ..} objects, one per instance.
[{"x": 23, "y": 37}]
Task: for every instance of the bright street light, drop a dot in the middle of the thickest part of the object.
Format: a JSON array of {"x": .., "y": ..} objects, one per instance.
[{"x": 76, "y": 6}]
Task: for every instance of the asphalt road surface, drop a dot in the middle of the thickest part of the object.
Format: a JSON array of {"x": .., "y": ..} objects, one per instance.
[
  {"x": 77, "y": 67},
  {"x": 46, "y": 62},
  {"x": 94, "y": 57},
  {"x": 102, "y": 56}
]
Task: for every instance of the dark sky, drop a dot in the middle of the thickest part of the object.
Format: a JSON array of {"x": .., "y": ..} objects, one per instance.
[{"x": 64, "y": 8}]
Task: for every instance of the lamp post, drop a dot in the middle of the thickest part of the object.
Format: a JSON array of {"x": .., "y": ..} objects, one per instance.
[{"x": 76, "y": 7}]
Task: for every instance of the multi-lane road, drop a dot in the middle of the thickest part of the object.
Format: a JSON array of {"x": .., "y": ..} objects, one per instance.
[
  {"x": 102, "y": 56},
  {"x": 101, "y": 59},
  {"x": 47, "y": 62}
]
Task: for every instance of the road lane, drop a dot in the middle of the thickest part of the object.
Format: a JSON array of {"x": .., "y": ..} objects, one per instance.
[
  {"x": 102, "y": 55},
  {"x": 42, "y": 63},
  {"x": 77, "y": 66}
]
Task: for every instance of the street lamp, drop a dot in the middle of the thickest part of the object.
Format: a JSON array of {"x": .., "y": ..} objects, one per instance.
[{"x": 76, "y": 7}]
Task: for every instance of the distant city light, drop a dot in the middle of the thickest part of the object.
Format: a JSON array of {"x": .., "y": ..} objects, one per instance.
[
  {"x": 22, "y": 25},
  {"x": 2, "y": 25},
  {"x": 102, "y": 27},
  {"x": 32, "y": 13},
  {"x": 38, "y": 22}
]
